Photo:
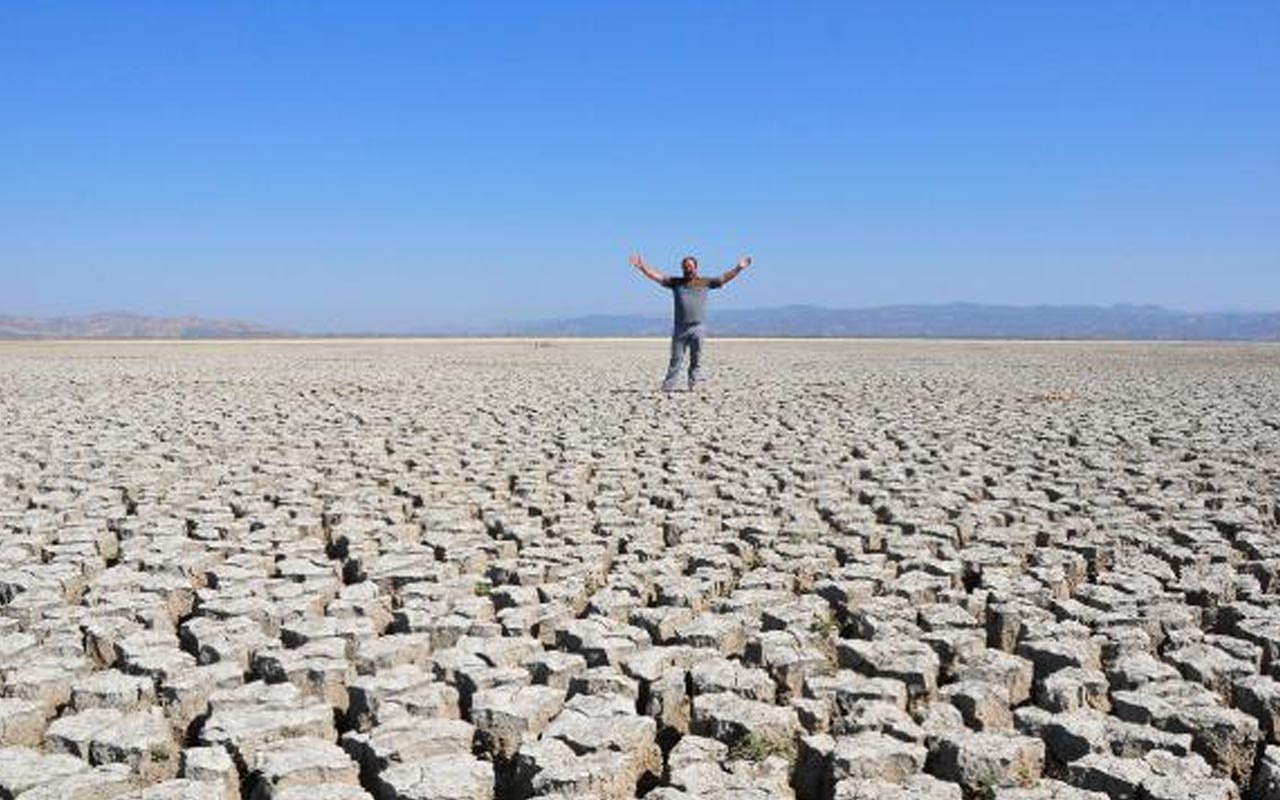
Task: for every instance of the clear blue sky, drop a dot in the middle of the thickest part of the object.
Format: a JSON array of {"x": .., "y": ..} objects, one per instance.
[{"x": 401, "y": 166}]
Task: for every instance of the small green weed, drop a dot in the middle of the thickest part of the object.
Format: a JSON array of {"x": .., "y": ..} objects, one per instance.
[
  {"x": 757, "y": 747},
  {"x": 825, "y": 626}
]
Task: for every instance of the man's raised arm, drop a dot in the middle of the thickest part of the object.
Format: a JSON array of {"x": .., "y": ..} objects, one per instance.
[
  {"x": 742, "y": 264},
  {"x": 638, "y": 263}
]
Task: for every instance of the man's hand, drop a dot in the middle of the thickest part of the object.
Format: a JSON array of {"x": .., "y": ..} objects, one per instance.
[
  {"x": 742, "y": 264},
  {"x": 638, "y": 263}
]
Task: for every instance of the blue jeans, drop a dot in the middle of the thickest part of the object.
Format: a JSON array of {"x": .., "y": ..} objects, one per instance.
[{"x": 685, "y": 337}]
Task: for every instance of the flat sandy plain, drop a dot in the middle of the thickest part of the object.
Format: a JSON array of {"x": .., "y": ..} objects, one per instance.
[{"x": 474, "y": 569}]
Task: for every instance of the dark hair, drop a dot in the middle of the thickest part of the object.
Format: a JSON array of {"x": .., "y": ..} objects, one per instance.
[{"x": 686, "y": 259}]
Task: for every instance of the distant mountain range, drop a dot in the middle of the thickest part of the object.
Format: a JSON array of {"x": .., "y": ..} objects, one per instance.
[
  {"x": 955, "y": 320},
  {"x": 120, "y": 325}
]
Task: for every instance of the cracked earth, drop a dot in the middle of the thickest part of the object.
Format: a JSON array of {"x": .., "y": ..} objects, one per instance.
[{"x": 463, "y": 570}]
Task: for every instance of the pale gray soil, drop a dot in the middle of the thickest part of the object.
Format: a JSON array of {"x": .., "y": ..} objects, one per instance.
[{"x": 474, "y": 569}]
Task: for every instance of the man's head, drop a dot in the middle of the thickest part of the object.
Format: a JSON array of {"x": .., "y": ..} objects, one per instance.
[{"x": 689, "y": 266}]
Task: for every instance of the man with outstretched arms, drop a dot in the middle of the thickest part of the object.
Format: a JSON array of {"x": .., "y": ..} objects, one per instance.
[{"x": 689, "y": 291}]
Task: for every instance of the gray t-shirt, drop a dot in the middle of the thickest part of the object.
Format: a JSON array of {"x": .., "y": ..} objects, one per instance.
[{"x": 690, "y": 296}]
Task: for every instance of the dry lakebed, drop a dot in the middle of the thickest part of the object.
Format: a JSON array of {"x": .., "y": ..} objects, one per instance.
[{"x": 474, "y": 569}]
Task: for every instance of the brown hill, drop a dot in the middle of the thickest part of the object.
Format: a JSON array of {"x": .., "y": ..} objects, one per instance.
[{"x": 119, "y": 325}]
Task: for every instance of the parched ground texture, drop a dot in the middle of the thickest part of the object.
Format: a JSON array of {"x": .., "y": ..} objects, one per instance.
[{"x": 509, "y": 569}]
